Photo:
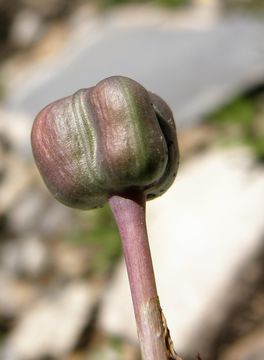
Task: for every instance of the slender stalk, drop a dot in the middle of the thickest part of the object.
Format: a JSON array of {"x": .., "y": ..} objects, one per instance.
[{"x": 153, "y": 334}]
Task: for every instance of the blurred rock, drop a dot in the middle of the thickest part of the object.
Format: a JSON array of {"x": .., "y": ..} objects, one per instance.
[
  {"x": 24, "y": 256},
  {"x": 15, "y": 173},
  {"x": 245, "y": 318},
  {"x": 15, "y": 179},
  {"x": 248, "y": 348},
  {"x": 36, "y": 211},
  {"x": 197, "y": 139},
  {"x": 27, "y": 28},
  {"x": 201, "y": 233},
  {"x": 132, "y": 51},
  {"x": 4, "y": 147},
  {"x": 69, "y": 260},
  {"x": 15, "y": 127},
  {"x": 56, "y": 218},
  {"x": 15, "y": 295},
  {"x": 52, "y": 326},
  {"x": 84, "y": 14},
  {"x": 28, "y": 211},
  {"x": 28, "y": 206},
  {"x": 47, "y": 8}
]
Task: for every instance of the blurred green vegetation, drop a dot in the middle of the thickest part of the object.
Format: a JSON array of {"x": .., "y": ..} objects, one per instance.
[
  {"x": 97, "y": 231},
  {"x": 242, "y": 121},
  {"x": 113, "y": 347},
  {"x": 247, "y": 5},
  {"x": 171, "y": 3}
]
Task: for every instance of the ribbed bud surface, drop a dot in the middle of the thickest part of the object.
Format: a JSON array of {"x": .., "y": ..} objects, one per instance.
[{"x": 106, "y": 140}]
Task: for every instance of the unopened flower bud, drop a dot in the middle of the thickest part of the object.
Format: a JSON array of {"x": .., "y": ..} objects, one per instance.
[{"x": 109, "y": 139}]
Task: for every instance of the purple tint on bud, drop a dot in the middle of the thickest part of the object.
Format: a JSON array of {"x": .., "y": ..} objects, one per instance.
[{"x": 106, "y": 140}]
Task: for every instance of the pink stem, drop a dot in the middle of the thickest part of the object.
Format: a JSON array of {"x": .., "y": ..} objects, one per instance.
[{"x": 129, "y": 213}]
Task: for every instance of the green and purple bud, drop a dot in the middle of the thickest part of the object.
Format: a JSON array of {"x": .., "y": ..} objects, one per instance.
[{"x": 110, "y": 139}]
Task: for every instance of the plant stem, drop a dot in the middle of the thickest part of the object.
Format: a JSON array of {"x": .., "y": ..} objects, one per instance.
[{"x": 153, "y": 334}]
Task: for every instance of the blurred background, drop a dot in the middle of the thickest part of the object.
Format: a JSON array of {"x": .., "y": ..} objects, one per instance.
[{"x": 63, "y": 287}]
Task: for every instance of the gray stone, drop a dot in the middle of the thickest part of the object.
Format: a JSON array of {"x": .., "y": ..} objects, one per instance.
[
  {"x": 25, "y": 256},
  {"x": 15, "y": 126},
  {"x": 37, "y": 211},
  {"x": 28, "y": 212},
  {"x": 15, "y": 295},
  {"x": 194, "y": 67},
  {"x": 56, "y": 217},
  {"x": 16, "y": 178},
  {"x": 250, "y": 347},
  {"x": 52, "y": 326},
  {"x": 27, "y": 28},
  {"x": 69, "y": 260},
  {"x": 45, "y": 8},
  {"x": 15, "y": 172},
  {"x": 201, "y": 232}
]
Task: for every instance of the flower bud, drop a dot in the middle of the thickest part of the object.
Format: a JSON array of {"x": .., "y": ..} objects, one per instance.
[{"x": 105, "y": 140}]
